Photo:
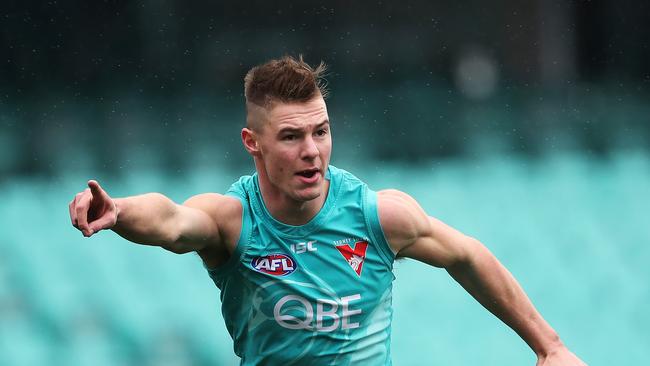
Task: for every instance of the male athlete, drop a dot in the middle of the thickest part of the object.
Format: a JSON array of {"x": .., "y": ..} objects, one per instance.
[{"x": 303, "y": 251}]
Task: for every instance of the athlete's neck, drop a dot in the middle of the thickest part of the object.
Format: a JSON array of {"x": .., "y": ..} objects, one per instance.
[{"x": 286, "y": 209}]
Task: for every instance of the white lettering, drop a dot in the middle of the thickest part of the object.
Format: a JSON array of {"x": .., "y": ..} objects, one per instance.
[
  {"x": 311, "y": 247},
  {"x": 349, "y": 240},
  {"x": 275, "y": 263},
  {"x": 290, "y": 321},
  {"x": 322, "y": 314},
  {"x": 303, "y": 247},
  {"x": 285, "y": 265},
  {"x": 263, "y": 264},
  {"x": 347, "y": 312}
]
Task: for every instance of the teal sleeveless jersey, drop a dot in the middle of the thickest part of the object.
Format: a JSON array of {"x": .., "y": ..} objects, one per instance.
[{"x": 316, "y": 294}]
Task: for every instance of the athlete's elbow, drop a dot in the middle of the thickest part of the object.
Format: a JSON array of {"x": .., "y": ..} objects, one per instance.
[
  {"x": 469, "y": 251},
  {"x": 175, "y": 239},
  {"x": 181, "y": 244}
]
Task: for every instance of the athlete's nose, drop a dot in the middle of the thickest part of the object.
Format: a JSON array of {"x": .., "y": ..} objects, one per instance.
[{"x": 309, "y": 149}]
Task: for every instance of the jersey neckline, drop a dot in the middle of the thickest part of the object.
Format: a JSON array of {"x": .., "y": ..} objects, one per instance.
[{"x": 297, "y": 230}]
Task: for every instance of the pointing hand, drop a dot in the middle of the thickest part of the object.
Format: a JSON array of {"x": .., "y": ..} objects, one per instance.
[{"x": 92, "y": 210}]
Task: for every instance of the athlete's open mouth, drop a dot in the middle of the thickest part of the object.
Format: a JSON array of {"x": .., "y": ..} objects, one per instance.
[{"x": 308, "y": 173}]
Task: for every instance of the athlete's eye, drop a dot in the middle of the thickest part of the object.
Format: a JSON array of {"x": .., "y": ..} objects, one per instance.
[
  {"x": 289, "y": 137},
  {"x": 322, "y": 132}
]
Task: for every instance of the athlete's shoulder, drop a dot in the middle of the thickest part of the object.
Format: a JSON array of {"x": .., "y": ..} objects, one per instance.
[
  {"x": 218, "y": 206},
  {"x": 401, "y": 217}
]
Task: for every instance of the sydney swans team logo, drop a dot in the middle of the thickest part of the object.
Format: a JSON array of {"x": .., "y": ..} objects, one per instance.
[
  {"x": 356, "y": 256},
  {"x": 274, "y": 264}
]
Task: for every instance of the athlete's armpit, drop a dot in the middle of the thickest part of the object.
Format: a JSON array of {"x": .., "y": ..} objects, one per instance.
[{"x": 413, "y": 234}]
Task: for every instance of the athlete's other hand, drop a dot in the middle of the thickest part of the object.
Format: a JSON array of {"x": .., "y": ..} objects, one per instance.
[
  {"x": 560, "y": 357},
  {"x": 92, "y": 210}
]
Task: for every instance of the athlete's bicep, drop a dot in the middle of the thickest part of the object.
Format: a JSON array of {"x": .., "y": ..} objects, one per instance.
[{"x": 413, "y": 234}]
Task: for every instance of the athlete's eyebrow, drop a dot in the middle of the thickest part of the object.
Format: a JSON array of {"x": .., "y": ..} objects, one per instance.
[
  {"x": 298, "y": 129},
  {"x": 290, "y": 129},
  {"x": 325, "y": 122},
  {"x": 322, "y": 124}
]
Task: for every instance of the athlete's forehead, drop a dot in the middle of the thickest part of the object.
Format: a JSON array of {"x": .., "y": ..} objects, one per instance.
[
  {"x": 290, "y": 115},
  {"x": 298, "y": 114}
]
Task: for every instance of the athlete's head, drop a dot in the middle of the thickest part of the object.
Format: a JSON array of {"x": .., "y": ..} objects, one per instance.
[{"x": 287, "y": 127}]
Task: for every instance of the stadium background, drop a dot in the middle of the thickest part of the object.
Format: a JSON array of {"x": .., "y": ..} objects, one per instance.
[{"x": 525, "y": 125}]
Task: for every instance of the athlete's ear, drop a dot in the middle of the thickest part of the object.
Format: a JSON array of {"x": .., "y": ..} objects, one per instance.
[{"x": 249, "y": 139}]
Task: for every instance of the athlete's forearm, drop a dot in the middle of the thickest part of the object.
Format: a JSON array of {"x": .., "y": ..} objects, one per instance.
[
  {"x": 147, "y": 219},
  {"x": 489, "y": 282}
]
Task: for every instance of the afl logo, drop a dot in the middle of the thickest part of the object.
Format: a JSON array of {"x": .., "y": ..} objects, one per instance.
[{"x": 274, "y": 264}]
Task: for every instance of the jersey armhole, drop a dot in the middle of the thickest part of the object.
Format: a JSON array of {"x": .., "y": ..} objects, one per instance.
[
  {"x": 371, "y": 215},
  {"x": 242, "y": 242}
]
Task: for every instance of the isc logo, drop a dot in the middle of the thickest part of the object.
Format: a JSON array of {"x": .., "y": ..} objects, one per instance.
[{"x": 274, "y": 264}]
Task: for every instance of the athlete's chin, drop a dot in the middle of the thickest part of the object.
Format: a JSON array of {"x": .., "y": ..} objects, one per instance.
[
  {"x": 305, "y": 195},
  {"x": 307, "y": 191}
]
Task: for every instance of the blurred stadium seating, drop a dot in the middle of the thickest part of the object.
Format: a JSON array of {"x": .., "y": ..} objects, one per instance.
[{"x": 573, "y": 230}]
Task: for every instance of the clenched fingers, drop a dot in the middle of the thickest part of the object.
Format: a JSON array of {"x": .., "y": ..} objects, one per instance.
[
  {"x": 73, "y": 209},
  {"x": 82, "y": 205},
  {"x": 73, "y": 215}
]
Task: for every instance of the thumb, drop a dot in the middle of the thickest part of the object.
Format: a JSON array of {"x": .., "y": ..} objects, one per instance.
[{"x": 107, "y": 221}]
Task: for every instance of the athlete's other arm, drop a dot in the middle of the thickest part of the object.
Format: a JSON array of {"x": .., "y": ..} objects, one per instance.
[
  {"x": 412, "y": 233},
  {"x": 153, "y": 219}
]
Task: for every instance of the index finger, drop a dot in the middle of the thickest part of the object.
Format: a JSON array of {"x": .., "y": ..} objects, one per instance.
[{"x": 95, "y": 188}]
